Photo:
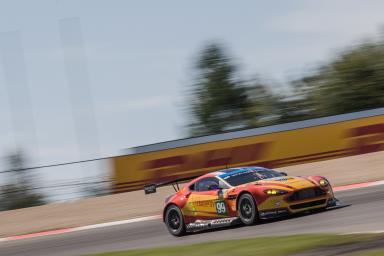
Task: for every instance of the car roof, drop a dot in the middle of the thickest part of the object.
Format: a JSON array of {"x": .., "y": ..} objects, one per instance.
[
  {"x": 231, "y": 171},
  {"x": 226, "y": 172}
]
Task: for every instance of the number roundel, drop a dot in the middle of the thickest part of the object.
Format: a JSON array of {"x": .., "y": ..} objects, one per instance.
[{"x": 221, "y": 207}]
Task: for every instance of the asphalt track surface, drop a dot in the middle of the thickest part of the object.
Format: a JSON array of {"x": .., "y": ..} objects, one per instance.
[{"x": 365, "y": 214}]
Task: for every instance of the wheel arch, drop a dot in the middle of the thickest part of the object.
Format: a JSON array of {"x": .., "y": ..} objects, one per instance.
[{"x": 242, "y": 193}]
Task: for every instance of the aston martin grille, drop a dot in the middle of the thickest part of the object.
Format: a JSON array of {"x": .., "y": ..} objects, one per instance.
[{"x": 307, "y": 193}]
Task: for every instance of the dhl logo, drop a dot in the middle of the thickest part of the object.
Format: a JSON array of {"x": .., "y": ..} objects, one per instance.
[
  {"x": 270, "y": 150},
  {"x": 367, "y": 139},
  {"x": 184, "y": 164}
]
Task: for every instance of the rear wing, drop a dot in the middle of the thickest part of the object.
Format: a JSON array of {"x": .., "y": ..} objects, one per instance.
[{"x": 151, "y": 188}]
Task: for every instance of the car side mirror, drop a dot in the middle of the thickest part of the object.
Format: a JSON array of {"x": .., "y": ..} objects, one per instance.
[
  {"x": 220, "y": 192},
  {"x": 284, "y": 173}
]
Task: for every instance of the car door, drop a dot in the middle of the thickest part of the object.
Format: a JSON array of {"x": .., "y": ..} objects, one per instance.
[{"x": 207, "y": 200}]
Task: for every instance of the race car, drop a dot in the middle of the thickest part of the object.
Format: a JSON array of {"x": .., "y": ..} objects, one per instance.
[{"x": 243, "y": 194}]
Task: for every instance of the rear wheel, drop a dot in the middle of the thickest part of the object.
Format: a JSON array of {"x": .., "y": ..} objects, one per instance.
[
  {"x": 247, "y": 209},
  {"x": 174, "y": 221}
]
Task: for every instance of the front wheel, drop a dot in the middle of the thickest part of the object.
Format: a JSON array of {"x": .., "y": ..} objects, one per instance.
[
  {"x": 174, "y": 221},
  {"x": 247, "y": 209}
]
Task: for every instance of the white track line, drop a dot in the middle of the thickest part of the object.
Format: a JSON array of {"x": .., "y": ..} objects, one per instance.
[
  {"x": 115, "y": 223},
  {"x": 364, "y": 232}
]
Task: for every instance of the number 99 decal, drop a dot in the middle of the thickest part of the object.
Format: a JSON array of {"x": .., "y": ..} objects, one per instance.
[{"x": 221, "y": 208}]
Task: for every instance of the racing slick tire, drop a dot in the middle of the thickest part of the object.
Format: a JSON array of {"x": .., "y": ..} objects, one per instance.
[
  {"x": 174, "y": 221},
  {"x": 247, "y": 210}
]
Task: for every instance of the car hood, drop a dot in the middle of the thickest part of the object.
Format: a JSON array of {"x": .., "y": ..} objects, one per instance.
[{"x": 291, "y": 182}]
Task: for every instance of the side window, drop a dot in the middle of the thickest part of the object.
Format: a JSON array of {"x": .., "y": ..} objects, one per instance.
[
  {"x": 192, "y": 187},
  {"x": 207, "y": 184}
]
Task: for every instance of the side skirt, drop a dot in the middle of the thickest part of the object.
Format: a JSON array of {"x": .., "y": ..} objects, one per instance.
[
  {"x": 276, "y": 213},
  {"x": 208, "y": 224}
]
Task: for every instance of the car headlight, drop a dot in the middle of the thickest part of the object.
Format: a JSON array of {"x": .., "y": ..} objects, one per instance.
[
  {"x": 275, "y": 192},
  {"x": 323, "y": 182}
]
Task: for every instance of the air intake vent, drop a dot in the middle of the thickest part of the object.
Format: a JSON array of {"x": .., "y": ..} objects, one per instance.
[
  {"x": 308, "y": 204},
  {"x": 307, "y": 193}
]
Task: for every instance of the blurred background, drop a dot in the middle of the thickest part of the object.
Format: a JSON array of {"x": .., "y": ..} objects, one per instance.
[{"x": 82, "y": 80}]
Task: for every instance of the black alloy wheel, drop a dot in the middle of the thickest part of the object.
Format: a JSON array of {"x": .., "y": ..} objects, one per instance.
[
  {"x": 174, "y": 221},
  {"x": 247, "y": 209}
]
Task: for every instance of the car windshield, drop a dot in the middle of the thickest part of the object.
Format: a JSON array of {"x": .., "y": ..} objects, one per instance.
[{"x": 239, "y": 178}]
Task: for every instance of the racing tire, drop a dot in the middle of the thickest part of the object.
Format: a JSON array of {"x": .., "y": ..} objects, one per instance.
[
  {"x": 247, "y": 210},
  {"x": 174, "y": 221}
]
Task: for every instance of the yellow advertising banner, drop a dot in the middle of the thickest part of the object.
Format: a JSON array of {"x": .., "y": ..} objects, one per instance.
[{"x": 274, "y": 149}]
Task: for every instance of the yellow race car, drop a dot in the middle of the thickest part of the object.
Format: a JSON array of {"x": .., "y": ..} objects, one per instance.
[{"x": 244, "y": 194}]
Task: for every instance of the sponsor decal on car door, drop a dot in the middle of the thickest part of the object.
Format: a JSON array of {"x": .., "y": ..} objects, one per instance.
[{"x": 207, "y": 204}]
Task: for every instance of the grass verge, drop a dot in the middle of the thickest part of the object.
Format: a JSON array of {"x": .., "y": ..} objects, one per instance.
[
  {"x": 369, "y": 253},
  {"x": 272, "y": 246}
]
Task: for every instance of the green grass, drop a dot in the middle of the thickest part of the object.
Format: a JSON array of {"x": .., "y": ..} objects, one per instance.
[
  {"x": 370, "y": 253},
  {"x": 272, "y": 246}
]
